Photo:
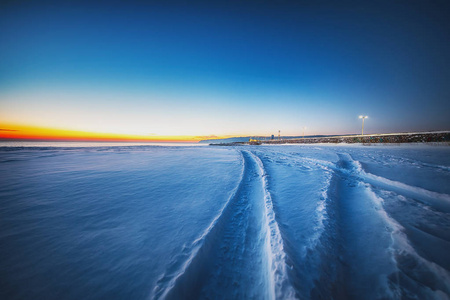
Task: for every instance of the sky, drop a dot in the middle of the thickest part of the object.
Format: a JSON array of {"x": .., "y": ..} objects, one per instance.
[{"x": 188, "y": 71}]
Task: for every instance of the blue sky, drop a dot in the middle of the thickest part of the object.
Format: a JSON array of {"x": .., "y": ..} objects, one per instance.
[{"x": 170, "y": 68}]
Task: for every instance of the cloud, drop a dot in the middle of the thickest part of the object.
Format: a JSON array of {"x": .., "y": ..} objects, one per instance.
[{"x": 3, "y": 129}]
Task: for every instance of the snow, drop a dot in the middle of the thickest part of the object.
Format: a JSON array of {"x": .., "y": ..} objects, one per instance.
[{"x": 248, "y": 222}]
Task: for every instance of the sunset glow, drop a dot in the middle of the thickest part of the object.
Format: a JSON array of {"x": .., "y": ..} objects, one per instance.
[
  {"x": 162, "y": 72},
  {"x": 9, "y": 131}
]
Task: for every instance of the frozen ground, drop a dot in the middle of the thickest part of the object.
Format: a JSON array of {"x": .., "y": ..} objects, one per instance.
[{"x": 262, "y": 222}]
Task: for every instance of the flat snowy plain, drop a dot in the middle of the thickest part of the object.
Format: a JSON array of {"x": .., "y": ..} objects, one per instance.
[{"x": 250, "y": 222}]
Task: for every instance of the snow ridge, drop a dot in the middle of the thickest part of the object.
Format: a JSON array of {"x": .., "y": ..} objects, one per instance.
[
  {"x": 402, "y": 249},
  {"x": 438, "y": 200},
  {"x": 281, "y": 286},
  {"x": 407, "y": 260}
]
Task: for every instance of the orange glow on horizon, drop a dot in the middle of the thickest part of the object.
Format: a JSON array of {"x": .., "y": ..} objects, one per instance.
[{"x": 24, "y": 132}]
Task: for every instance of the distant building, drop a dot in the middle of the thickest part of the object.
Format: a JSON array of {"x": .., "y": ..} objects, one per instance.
[{"x": 272, "y": 137}]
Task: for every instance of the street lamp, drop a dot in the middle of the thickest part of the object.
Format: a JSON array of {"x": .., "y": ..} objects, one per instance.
[{"x": 363, "y": 117}]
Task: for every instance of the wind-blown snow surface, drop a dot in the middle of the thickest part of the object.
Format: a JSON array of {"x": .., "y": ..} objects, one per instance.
[{"x": 262, "y": 222}]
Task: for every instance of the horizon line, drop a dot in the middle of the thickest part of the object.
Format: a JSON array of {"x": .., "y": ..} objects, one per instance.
[{"x": 16, "y": 132}]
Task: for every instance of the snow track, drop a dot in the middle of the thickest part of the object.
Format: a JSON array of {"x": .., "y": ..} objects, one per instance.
[
  {"x": 346, "y": 239},
  {"x": 282, "y": 287},
  {"x": 400, "y": 271},
  {"x": 244, "y": 222},
  {"x": 360, "y": 248},
  {"x": 240, "y": 255}
]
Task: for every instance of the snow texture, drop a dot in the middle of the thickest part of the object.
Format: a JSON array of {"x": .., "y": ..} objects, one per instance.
[{"x": 247, "y": 222}]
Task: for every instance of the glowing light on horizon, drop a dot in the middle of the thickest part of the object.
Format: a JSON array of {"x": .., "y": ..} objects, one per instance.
[{"x": 11, "y": 131}]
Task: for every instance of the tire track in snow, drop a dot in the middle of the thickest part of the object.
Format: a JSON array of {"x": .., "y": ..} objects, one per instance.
[
  {"x": 239, "y": 256},
  {"x": 282, "y": 288},
  {"x": 434, "y": 199},
  {"x": 406, "y": 273},
  {"x": 310, "y": 251},
  {"x": 308, "y": 165},
  {"x": 362, "y": 240},
  {"x": 415, "y": 274},
  {"x": 359, "y": 219},
  {"x": 439, "y": 201}
]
